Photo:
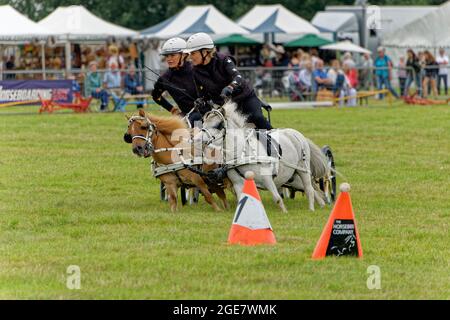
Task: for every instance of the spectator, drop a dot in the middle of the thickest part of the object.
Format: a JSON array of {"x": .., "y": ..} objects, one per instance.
[
  {"x": 306, "y": 76},
  {"x": 320, "y": 78},
  {"x": 314, "y": 56},
  {"x": 115, "y": 57},
  {"x": 295, "y": 61},
  {"x": 348, "y": 60},
  {"x": 442, "y": 60},
  {"x": 366, "y": 74},
  {"x": 281, "y": 58},
  {"x": 431, "y": 73},
  {"x": 266, "y": 56},
  {"x": 351, "y": 72},
  {"x": 423, "y": 65},
  {"x": 132, "y": 83},
  {"x": 10, "y": 66},
  {"x": 333, "y": 72},
  {"x": 76, "y": 88},
  {"x": 94, "y": 86},
  {"x": 383, "y": 65},
  {"x": 413, "y": 72},
  {"x": 343, "y": 86},
  {"x": 300, "y": 82},
  {"x": 402, "y": 75},
  {"x": 112, "y": 78}
]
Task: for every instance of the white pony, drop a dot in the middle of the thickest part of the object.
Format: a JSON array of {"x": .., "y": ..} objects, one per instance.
[{"x": 225, "y": 130}]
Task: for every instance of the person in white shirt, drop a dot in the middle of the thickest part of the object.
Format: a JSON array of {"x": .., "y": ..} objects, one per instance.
[
  {"x": 305, "y": 76},
  {"x": 341, "y": 85},
  {"x": 442, "y": 61}
]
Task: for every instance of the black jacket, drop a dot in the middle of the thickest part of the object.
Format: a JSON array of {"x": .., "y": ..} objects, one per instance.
[
  {"x": 220, "y": 72},
  {"x": 172, "y": 81}
]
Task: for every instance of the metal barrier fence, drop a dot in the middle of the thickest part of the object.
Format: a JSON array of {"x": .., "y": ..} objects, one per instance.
[{"x": 275, "y": 82}]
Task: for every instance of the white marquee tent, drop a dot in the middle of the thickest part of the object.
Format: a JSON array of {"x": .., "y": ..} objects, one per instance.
[
  {"x": 193, "y": 19},
  {"x": 275, "y": 19},
  {"x": 77, "y": 23},
  {"x": 429, "y": 32},
  {"x": 15, "y": 27}
]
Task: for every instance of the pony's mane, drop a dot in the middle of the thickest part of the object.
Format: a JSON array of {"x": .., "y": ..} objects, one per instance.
[
  {"x": 167, "y": 125},
  {"x": 235, "y": 116}
]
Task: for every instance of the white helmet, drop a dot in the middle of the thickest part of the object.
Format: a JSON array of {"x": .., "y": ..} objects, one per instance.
[
  {"x": 199, "y": 41},
  {"x": 173, "y": 45}
]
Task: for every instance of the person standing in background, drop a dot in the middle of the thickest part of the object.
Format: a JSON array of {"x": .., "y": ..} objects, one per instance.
[
  {"x": 402, "y": 75},
  {"x": 366, "y": 74},
  {"x": 431, "y": 73},
  {"x": 413, "y": 72},
  {"x": 383, "y": 65},
  {"x": 442, "y": 61}
]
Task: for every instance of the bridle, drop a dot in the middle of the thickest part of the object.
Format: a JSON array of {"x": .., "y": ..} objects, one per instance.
[
  {"x": 128, "y": 138},
  {"x": 211, "y": 137}
]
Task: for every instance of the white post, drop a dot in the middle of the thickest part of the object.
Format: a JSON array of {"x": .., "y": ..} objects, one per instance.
[
  {"x": 68, "y": 58},
  {"x": 43, "y": 60}
]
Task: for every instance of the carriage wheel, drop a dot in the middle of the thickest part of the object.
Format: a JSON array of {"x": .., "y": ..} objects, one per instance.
[
  {"x": 162, "y": 192},
  {"x": 328, "y": 185}
]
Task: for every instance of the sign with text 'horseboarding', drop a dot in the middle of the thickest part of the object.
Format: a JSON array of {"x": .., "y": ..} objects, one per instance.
[{"x": 30, "y": 90}]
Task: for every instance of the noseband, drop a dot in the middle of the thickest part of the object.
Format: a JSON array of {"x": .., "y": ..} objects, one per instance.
[{"x": 128, "y": 138}]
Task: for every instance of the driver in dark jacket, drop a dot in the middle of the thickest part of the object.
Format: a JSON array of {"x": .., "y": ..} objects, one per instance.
[
  {"x": 218, "y": 79},
  {"x": 178, "y": 81}
]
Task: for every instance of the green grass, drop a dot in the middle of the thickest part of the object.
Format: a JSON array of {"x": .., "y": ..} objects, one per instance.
[{"x": 72, "y": 193}]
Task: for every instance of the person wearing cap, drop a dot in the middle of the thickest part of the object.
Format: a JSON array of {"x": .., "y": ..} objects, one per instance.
[
  {"x": 178, "y": 81},
  {"x": 94, "y": 86},
  {"x": 383, "y": 66},
  {"x": 218, "y": 79}
]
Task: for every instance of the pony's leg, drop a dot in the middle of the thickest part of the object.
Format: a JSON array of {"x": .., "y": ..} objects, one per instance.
[
  {"x": 201, "y": 185},
  {"x": 221, "y": 194},
  {"x": 272, "y": 188},
  {"x": 319, "y": 199},
  {"x": 170, "y": 182},
  {"x": 237, "y": 182},
  {"x": 309, "y": 190}
]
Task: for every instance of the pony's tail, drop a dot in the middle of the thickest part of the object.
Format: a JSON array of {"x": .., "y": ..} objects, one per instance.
[{"x": 319, "y": 166}]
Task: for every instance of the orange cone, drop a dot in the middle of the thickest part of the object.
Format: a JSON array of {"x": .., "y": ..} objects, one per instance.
[
  {"x": 340, "y": 235},
  {"x": 251, "y": 225}
]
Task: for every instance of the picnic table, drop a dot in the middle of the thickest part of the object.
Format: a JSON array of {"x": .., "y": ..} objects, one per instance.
[{"x": 122, "y": 99}]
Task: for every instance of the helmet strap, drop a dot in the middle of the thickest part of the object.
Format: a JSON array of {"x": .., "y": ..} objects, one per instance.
[{"x": 203, "y": 55}]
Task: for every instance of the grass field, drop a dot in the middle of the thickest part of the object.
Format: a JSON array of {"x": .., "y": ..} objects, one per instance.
[{"x": 72, "y": 193}]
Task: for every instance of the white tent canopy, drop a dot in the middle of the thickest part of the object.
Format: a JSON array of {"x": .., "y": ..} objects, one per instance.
[
  {"x": 430, "y": 30},
  {"x": 193, "y": 19},
  {"x": 77, "y": 23},
  {"x": 327, "y": 21},
  {"x": 345, "y": 46},
  {"x": 275, "y": 19},
  {"x": 14, "y": 26}
]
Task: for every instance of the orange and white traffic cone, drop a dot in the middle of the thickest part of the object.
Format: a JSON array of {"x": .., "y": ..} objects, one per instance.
[
  {"x": 340, "y": 236},
  {"x": 251, "y": 225}
]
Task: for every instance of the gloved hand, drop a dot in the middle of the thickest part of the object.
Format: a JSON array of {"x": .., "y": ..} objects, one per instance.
[
  {"x": 175, "y": 111},
  {"x": 201, "y": 106},
  {"x": 226, "y": 93}
]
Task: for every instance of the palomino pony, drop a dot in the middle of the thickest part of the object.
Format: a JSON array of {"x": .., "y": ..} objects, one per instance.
[
  {"x": 153, "y": 136},
  {"x": 224, "y": 128}
]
